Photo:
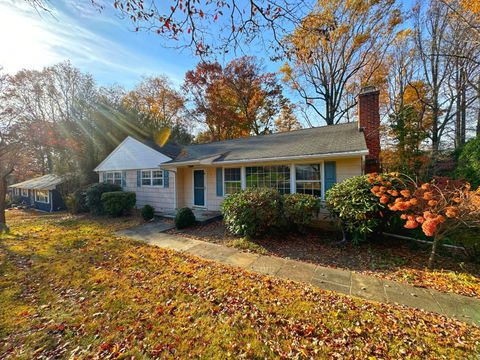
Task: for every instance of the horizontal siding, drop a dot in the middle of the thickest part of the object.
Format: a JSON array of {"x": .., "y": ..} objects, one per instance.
[{"x": 162, "y": 199}]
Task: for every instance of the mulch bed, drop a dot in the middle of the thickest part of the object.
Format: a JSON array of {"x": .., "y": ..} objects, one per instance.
[{"x": 386, "y": 258}]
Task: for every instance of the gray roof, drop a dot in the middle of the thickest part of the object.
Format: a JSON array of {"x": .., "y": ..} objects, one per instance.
[
  {"x": 45, "y": 182},
  {"x": 336, "y": 139}
]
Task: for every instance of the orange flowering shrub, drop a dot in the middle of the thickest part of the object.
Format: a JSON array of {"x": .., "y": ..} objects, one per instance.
[{"x": 436, "y": 206}]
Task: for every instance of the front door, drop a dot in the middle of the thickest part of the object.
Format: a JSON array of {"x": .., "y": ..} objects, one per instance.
[{"x": 198, "y": 187}]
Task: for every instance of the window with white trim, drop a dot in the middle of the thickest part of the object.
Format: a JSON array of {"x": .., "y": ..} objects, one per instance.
[
  {"x": 309, "y": 179},
  {"x": 114, "y": 177},
  {"x": 232, "y": 180},
  {"x": 277, "y": 177},
  {"x": 42, "y": 196},
  {"x": 152, "y": 178},
  {"x": 25, "y": 192}
]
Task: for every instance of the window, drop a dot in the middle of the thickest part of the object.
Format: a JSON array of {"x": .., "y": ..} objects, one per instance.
[
  {"x": 25, "y": 192},
  {"x": 277, "y": 177},
  {"x": 232, "y": 181},
  {"x": 114, "y": 177},
  {"x": 309, "y": 179},
  {"x": 152, "y": 178},
  {"x": 42, "y": 196}
]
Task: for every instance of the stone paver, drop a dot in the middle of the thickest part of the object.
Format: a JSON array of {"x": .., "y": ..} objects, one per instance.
[
  {"x": 267, "y": 265},
  {"x": 367, "y": 287},
  {"x": 338, "y": 280}
]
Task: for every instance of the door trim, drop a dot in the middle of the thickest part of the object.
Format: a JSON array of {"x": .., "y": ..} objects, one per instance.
[{"x": 205, "y": 192}]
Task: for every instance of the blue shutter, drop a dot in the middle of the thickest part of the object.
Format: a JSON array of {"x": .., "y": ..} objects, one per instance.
[
  {"x": 219, "y": 182},
  {"x": 139, "y": 179},
  {"x": 166, "y": 180},
  {"x": 124, "y": 179},
  {"x": 330, "y": 174},
  {"x": 104, "y": 177}
]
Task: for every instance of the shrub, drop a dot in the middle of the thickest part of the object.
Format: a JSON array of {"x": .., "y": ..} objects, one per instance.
[
  {"x": 147, "y": 212},
  {"x": 93, "y": 196},
  {"x": 469, "y": 162},
  {"x": 471, "y": 242},
  {"x": 77, "y": 202},
  {"x": 184, "y": 218},
  {"x": 117, "y": 203},
  {"x": 437, "y": 207},
  {"x": 300, "y": 209},
  {"x": 357, "y": 208},
  {"x": 252, "y": 212}
]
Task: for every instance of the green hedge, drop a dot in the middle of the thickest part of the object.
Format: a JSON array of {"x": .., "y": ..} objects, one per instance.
[
  {"x": 118, "y": 203},
  {"x": 300, "y": 210},
  {"x": 77, "y": 201},
  {"x": 357, "y": 208},
  {"x": 93, "y": 196},
  {"x": 184, "y": 218},
  {"x": 252, "y": 212},
  {"x": 148, "y": 212}
]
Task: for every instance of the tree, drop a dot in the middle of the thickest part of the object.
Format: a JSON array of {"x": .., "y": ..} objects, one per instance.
[
  {"x": 286, "y": 120},
  {"x": 337, "y": 48},
  {"x": 159, "y": 106},
  {"x": 9, "y": 143},
  {"x": 237, "y": 100},
  {"x": 438, "y": 207}
]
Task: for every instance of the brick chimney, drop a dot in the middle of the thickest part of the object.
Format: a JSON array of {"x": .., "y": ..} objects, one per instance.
[{"x": 369, "y": 123}]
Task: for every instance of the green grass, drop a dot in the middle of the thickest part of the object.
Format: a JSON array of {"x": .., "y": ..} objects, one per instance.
[{"x": 70, "y": 288}]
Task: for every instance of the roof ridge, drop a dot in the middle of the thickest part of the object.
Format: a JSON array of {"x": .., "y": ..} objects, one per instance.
[{"x": 276, "y": 133}]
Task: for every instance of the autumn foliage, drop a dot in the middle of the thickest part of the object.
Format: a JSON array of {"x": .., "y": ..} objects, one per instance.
[{"x": 437, "y": 207}]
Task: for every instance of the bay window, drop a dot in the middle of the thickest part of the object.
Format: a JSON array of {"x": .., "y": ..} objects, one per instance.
[
  {"x": 232, "y": 180},
  {"x": 309, "y": 179},
  {"x": 277, "y": 177}
]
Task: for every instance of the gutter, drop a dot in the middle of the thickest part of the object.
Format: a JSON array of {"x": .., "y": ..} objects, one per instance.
[{"x": 279, "y": 158}]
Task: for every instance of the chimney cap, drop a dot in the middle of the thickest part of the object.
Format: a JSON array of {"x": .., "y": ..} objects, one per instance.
[{"x": 368, "y": 90}]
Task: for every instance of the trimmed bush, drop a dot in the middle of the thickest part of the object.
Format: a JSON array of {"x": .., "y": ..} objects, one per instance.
[
  {"x": 252, "y": 212},
  {"x": 184, "y": 218},
  {"x": 357, "y": 208},
  {"x": 300, "y": 210},
  {"x": 147, "y": 212},
  {"x": 118, "y": 203},
  {"x": 93, "y": 196},
  {"x": 77, "y": 201}
]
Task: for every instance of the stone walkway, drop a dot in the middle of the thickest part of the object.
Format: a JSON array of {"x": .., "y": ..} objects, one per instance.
[{"x": 342, "y": 281}]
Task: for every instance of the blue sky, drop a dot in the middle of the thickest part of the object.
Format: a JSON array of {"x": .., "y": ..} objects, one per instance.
[{"x": 99, "y": 43}]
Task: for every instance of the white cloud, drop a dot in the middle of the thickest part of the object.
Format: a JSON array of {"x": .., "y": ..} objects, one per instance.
[{"x": 30, "y": 39}]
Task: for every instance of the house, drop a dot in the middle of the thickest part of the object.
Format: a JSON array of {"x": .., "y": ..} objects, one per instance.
[
  {"x": 41, "y": 193},
  {"x": 200, "y": 176}
]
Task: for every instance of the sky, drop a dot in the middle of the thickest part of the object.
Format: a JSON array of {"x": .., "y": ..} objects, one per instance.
[{"x": 101, "y": 44}]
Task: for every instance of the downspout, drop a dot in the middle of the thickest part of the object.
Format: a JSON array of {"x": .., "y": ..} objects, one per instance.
[{"x": 50, "y": 196}]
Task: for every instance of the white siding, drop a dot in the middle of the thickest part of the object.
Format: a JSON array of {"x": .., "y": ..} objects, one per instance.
[
  {"x": 132, "y": 154},
  {"x": 162, "y": 199}
]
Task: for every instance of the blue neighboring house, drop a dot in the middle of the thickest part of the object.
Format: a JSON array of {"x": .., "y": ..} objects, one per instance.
[{"x": 42, "y": 193}]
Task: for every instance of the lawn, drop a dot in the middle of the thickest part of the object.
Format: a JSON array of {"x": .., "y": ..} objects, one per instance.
[
  {"x": 385, "y": 258},
  {"x": 70, "y": 288}
]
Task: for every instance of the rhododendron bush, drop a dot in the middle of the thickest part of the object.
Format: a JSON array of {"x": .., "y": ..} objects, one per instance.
[{"x": 437, "y": 207}]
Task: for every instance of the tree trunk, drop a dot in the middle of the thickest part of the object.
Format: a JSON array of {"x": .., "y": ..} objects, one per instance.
[
  {"x": 478, "y": 110},
  {"x": 3, "y": 194},
  {"x": 431, "y": 259}
]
